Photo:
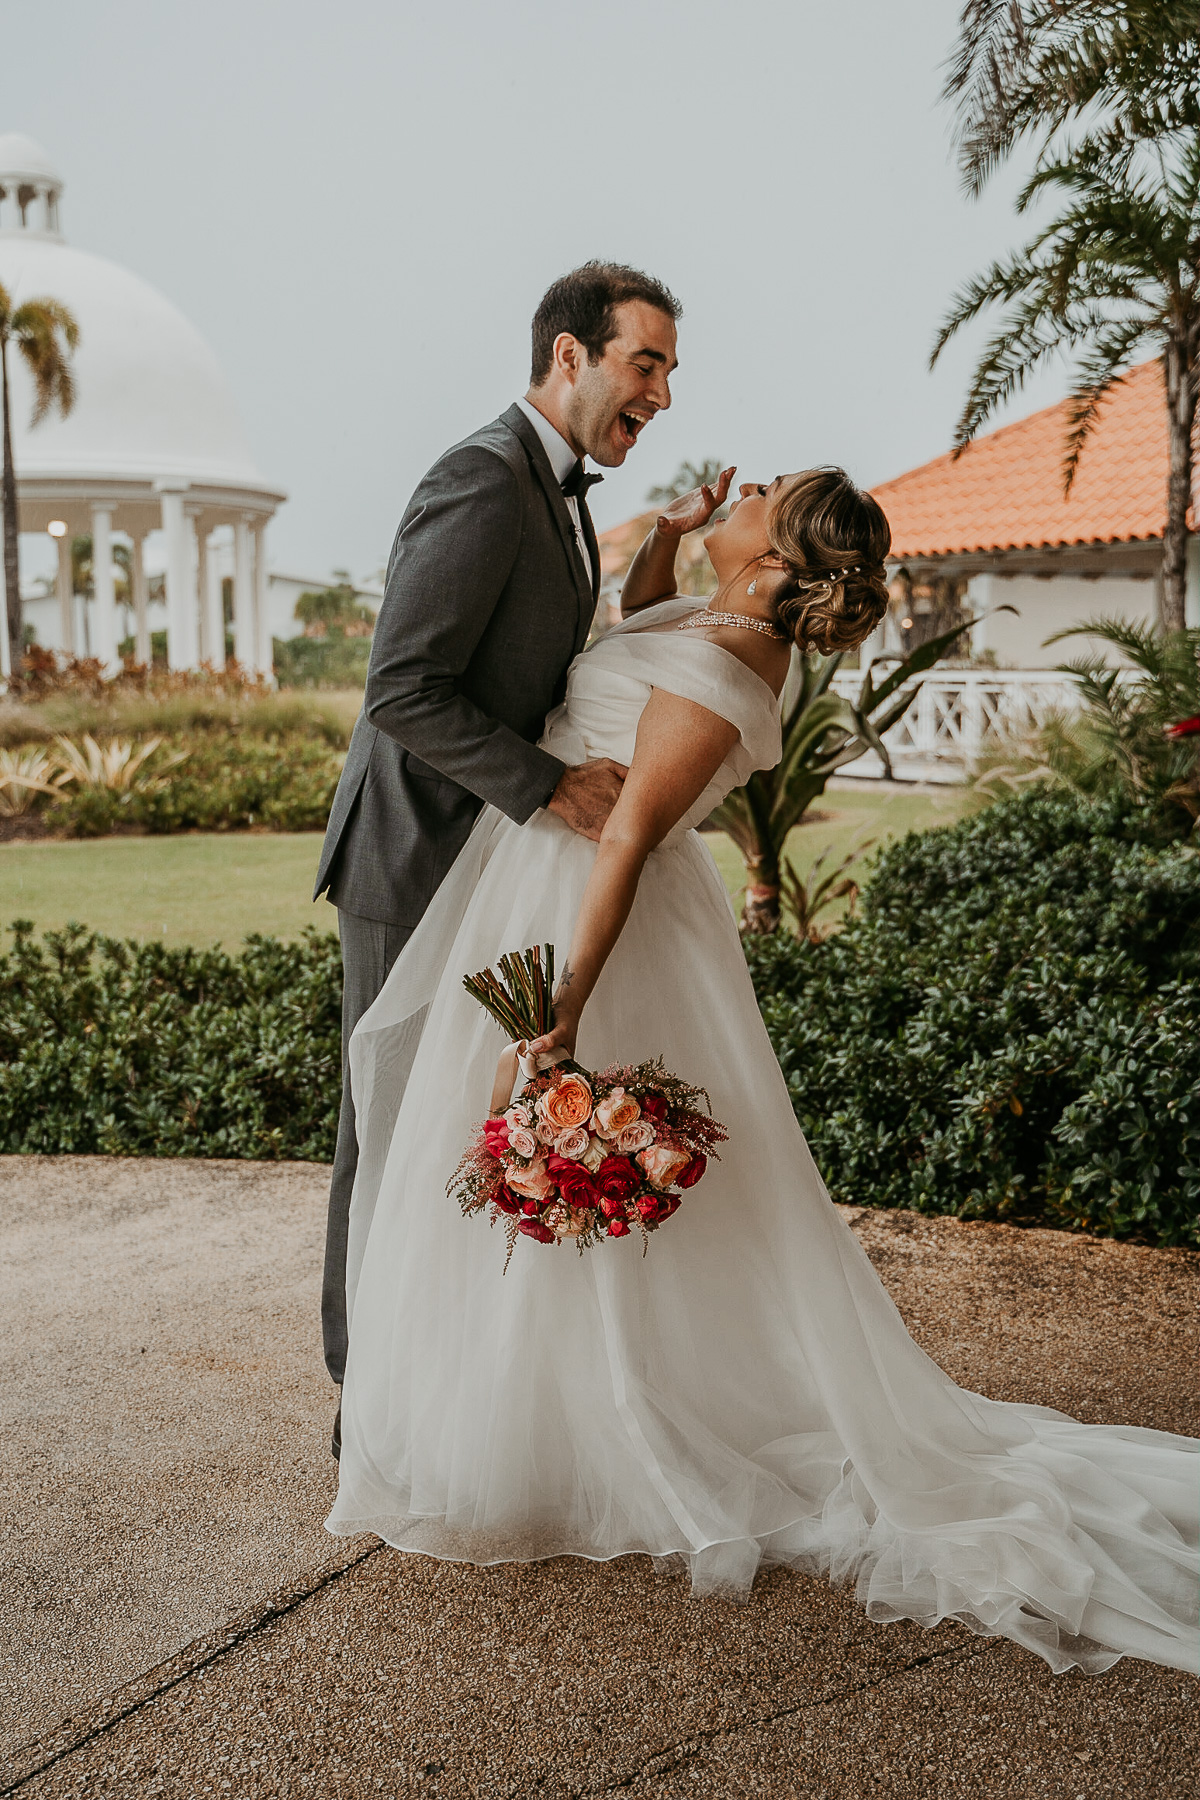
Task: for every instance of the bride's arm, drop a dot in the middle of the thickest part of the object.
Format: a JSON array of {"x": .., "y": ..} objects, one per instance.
[
  {"x": 680, "y": 746},
  {"x": 651, "y": 575}
]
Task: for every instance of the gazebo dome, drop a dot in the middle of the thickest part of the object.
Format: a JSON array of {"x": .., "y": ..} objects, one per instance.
[
  {"x": 153, "y": 439},
  {"x": 151, "y": 400}
]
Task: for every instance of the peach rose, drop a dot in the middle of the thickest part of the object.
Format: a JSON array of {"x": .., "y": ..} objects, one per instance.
[
  {"x": 534, "y": 1182},
  {"x": 568, "y": 1104},
  {"x": 638, "y": 1136},
  {"x": 521, "y": 1141},
  {"x": 662, "y": 1164},
  {"x": 614, "y": 1114},
  {"x": 573, "y": 1143},
  {"x": 595, "y": 1154}
]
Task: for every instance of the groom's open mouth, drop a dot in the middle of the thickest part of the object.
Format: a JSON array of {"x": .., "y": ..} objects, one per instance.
[{"x": 629, "y": 425}]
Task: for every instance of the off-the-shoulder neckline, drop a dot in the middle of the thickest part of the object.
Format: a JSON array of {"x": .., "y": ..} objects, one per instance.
[{"x": 623, "y": 629}]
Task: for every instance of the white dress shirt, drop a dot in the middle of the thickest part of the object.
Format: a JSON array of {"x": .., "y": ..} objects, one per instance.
[{"x": 562, "y": 461}]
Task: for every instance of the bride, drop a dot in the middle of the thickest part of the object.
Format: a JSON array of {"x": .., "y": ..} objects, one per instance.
[{"x": 746, "y": 1393}]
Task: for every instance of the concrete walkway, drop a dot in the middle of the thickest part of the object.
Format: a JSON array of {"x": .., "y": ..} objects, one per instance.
[{"x": 174, "y": 1621}]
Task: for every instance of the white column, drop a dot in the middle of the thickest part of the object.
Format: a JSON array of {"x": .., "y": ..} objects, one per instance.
[
  {"x": 104, "y": 606},
  {"x": 66, "y": 595},
  {"x": 1191, "y": 598},
  {"x": 142, "y": 652},
  {"x": 265, "y": 660},
  {"x": 181, "y": 586},
  {"x": 214, "y": 604},
  {"x": 202, "y": 650},
  {"x": 245, "y": 635}
]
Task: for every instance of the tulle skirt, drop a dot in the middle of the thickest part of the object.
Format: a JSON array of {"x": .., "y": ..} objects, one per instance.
[{"x": 743, "y": 1394}]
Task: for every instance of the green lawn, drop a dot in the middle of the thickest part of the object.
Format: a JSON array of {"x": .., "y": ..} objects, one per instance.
[{"x": 202, "y": 889}]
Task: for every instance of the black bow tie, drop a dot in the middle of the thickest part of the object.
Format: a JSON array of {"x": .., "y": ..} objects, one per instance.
[{"x": 576, "y": 485}]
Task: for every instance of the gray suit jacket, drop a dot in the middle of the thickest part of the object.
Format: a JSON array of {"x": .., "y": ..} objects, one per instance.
[{"x": 486, "y": 604}]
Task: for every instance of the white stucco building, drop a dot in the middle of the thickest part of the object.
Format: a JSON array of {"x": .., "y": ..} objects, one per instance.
[{"x": 153, "y": 444}]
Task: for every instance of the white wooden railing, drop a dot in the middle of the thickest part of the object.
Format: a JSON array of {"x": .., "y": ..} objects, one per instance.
[{"x": 957, "y": 714}]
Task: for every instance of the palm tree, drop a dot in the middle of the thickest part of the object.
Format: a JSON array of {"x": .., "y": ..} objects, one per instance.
[
  {"x": 1117, "y": 270},
  {"x": 1122, "y": 69},
  {"x": 46, "y": 335},
  {"x": 822, "y": 732}
]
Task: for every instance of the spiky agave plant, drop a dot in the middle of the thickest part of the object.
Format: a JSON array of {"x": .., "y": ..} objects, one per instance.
[{"x": 822, "y": 732}]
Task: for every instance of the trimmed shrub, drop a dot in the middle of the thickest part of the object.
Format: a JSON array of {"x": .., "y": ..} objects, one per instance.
[
  {"x": 1009, "y": 1029},
  {"x": 224, "y": 783},
  {"x": 130, "y": 1049}
]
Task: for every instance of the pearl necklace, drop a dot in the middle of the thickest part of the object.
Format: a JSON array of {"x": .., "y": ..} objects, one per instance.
[{"x": 740, "y": 620}]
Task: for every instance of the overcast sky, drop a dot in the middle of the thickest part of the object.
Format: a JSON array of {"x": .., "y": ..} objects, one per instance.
[{"x": 360, "y": 204}]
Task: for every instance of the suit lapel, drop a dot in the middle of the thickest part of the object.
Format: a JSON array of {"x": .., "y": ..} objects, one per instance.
[{"x": 585, "y": 590}]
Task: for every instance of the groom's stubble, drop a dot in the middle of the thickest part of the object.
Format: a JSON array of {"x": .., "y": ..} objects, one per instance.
[{"x": 602, "y": 407}]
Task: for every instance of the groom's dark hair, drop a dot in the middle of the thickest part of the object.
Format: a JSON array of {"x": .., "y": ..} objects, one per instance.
[{"x": 585, "y": 303}]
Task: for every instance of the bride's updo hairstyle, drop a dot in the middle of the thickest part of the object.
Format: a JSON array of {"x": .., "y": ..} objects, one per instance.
[{"x": 833, "y": 539}]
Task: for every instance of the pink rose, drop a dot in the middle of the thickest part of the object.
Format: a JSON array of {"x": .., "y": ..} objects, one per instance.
[
  {"x": 518, "y": 1115},
  {"x": 546, "y": 1133},
  {"x": 534, "y": 1182},
  {"x": 638, "y": 1136},
  {"x": 616, "y": 1112},
  {"x": 572, "y": 1144},
  {"x": 663, "y": 1164},
  {"x": 521, "y": 1141}
]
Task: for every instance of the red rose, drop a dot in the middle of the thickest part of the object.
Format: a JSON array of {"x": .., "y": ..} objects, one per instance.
[
  {"x": 535, "y": 1229},
  {"x": 496, "y": 1133},
  {"x": 507, "y": 1202},
  {"x": 617, "y": 1228},
  {"x": 574, "y": 1183},
  {"x": 612, "y": 1208},
  {"x": 649, "y": 1208},
  {"x": 617, "y": 1178},
  {"x": 668, "y": 1203},
  {"x": 655, "y": 1106},
  {"x": 530, "y": 1207},
  {"x": 1185, "y": 728},
  {"x": 688, "y": 1177}
]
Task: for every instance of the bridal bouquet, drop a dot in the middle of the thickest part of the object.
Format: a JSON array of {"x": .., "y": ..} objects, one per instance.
[{"x": 578, "y": 1155}]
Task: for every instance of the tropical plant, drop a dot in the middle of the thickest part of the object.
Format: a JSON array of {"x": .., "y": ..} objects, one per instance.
[
  {"x": 46, "y": 336},
  {"x": 335, "y": 611},
  {"x": 1118, "y": 269},
  {"x": 119, "y": 766},
  {"x": 1137, "y": 730},
  {"x": 25, "y": 777},
  {"x": 805, "y": 898},
  {"x": 822, "y": 732},
  {"x": 1121, "y": 69}
]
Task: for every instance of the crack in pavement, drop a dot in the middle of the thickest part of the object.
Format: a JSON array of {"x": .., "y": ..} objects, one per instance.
[
  {"x": 674, "y": 1756},
  {"x": 54, "y": 1747},
  {"x": 44, "y": 1753}
]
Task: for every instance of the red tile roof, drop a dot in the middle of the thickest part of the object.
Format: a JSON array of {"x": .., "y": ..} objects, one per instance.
[{"x": 1006, "y": 492}]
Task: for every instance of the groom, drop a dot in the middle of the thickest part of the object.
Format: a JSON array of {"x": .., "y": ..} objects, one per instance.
[{"x": 490, "y": 593}]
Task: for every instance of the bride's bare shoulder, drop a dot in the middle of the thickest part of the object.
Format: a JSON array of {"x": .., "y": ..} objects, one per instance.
[{"x": 768, "y": 657}]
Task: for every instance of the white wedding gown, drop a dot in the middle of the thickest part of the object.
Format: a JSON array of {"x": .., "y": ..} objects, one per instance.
[{"x": 745, "y": 1393}]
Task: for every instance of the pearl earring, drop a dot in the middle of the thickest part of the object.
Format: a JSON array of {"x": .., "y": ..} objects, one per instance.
[{"x": 752, "y": 586}]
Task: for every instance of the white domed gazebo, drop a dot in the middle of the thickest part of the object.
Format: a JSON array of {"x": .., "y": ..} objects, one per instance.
[{"x": 153, "y": 441}]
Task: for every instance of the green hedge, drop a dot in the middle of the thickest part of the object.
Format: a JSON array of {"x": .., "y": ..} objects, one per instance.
[
  {"x": 135, "y": 1050},
  {"x": 228, "y": 782},
  {"x": 1010, "y": 1029}
]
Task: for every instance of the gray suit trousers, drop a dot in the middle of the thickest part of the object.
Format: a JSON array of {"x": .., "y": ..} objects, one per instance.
[{"x": 369, "y": 948}]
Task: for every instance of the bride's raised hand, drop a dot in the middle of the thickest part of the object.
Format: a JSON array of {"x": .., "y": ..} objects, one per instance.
[{"x": 696, "y": 507}]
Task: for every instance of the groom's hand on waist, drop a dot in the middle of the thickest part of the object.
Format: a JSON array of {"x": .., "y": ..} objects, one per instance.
[{"x": 587, "y": 793}]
